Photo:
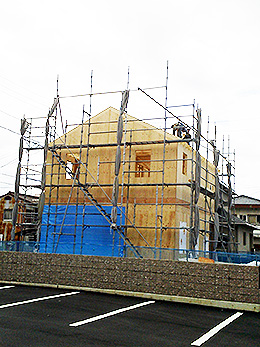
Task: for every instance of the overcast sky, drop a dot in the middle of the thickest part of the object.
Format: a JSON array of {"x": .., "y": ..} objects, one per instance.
[{"x": 212, "y": 48}]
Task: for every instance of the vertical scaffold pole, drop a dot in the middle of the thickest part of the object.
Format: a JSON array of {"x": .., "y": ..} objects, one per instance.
[
  {"x": 217, "y": 195},
  {"x": 206, "y": 193},
  {"x": 222, "y": 158},
  {"x": 163, "y": 163},
  {"x": 234, "y": 170},
  {"x": 191, "y": 229},
  {"x": 123, "y": 175},
  {"x": 125, "y": 97},
  {"x": 229, "y": 219},
  {"x": 156, "y": 223},
  {"x": 77, "y": 177},
  {"x": 89, "y": 123},
  {"x": 29, "y": 131},
  {"x": 43, "y": 178},
  {"x": 87, "y": 157},
  {"x": 128, "y": 182},
  {"x": 123, "y": 166},
  {"x": 54, "y": 163},
  {"x": 196, "y": 229},
  {"x": 24, "y": 126}
]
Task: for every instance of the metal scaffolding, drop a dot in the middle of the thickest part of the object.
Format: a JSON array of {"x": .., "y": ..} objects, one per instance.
[{"x": 146, "y": 207}]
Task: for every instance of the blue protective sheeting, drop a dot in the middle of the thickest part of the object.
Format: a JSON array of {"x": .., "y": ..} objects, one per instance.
[{"x": 93, "y": 237}]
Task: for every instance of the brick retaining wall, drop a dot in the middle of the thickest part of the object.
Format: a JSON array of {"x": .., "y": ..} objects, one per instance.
[{"x": 225, "y": 282}]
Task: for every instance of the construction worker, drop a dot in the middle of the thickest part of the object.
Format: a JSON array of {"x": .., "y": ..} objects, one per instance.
[
  {"x": 178, "y": 129},
  {"x": 187, "y": 135}
]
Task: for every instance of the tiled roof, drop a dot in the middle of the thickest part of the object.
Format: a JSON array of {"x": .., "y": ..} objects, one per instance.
[
  {"x": 28, "y": 198},
  {"x": 246, "y": 200}
]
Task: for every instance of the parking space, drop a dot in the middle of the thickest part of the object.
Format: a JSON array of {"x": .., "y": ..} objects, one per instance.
[{"x": 33, "y": 316}]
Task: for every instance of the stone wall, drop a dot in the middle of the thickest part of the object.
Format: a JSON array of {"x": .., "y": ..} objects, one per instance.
[{"x": 224, "y": 282}]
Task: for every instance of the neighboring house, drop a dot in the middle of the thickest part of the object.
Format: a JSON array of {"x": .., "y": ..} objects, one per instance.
[
  {"x": 27, "y": 217},
  {"x": 257, "y": 240},
  {"x": 156, "y": 179},
  {"x": 243, "y": 235},
  {"x": 247, "y": 209}
]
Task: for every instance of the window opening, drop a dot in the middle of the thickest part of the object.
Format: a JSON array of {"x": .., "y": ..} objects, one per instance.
[
  {"x": 7, "y": 214},
  {"x": 243, "y": 217},
  {"x": 69, "y": 166},
  {"x": 72, "y": 164},
  {"x": 244, "y": 238},
  {"x": 75, "y": 169},
  {"x": 142, "y": 163},
  {"x": 184, "y": 164},
  {"x": 252, "y": 218}
]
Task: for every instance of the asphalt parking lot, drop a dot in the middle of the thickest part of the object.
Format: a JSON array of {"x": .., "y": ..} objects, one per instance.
[{"x": 34, "y": 316}]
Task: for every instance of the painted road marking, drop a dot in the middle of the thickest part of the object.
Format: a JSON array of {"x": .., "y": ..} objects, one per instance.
[
  {"x": 6, "y": 287},
  {"x": 37, "y": 299},
  {"x": 216, "y": 329},
  {"x": 109, "y": 314}
]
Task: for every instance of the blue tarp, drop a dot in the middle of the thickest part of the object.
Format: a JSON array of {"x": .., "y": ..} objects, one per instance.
[{"x": 93, "y": 237}]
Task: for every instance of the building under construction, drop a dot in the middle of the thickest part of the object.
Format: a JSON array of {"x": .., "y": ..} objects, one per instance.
[{"x": 117, "y": 185}]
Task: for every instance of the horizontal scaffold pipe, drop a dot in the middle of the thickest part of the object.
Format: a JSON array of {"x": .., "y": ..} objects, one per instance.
[
  {"x": 62, "y": 146},
  {"x": 145, "y": 161},
  {"x": 33, "y": 148},
  {"x": 168, "y": 204},
  {"x": 153, "y": 227},
  {"x": 203, "y": 191},
  {"x": 95, "y": 185},
  {"x": 115, "y": 121},
  {"x": 30, "y": 186},
  {"x": 107, "y": 92}
]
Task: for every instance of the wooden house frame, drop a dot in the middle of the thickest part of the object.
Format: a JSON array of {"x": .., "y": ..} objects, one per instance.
[
  {"x": 155, "y": 179},
  {"x": 119, "y": 185}
]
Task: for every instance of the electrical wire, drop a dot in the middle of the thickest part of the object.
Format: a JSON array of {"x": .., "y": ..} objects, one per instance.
[
  {"x": 3, "y": 174},
  {"x": 9, "y": 130},
  {"x": 9, "y": 114},
  {"x": 23, "y": 88},
  {"x": 10, "y": 162},
  {"x": 24, "y": 101},
  {"x": 9, "y": 184}
]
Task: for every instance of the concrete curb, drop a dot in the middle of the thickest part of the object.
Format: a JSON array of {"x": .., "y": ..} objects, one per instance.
[{"x": 241, "y": 306}]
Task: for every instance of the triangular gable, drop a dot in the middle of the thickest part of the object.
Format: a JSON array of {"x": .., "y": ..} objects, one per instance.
[
  {"x": 11, "y": 194},
  {"x": 105, "y": 123}
]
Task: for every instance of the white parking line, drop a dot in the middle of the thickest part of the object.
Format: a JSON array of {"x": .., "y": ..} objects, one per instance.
[
  {"x": 37, "y": 299},
  {"x": 112, "y": 313},
  {"x": 6, "y": 287},
  {"x": 216, "y": 329}
]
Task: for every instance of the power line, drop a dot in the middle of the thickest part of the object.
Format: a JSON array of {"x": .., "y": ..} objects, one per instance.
[
  {"x": 4, "y": 156},
  {"x": 9, "y": 130},
  {"x": 34, "y": 104},
  {"x": 21, "y": 87},
  {"x": 9, "y": 114},
  {"x": 3, "y": 174},
  {"x": 12, "y": 161},
  {"x": 23, "y": 98}
]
